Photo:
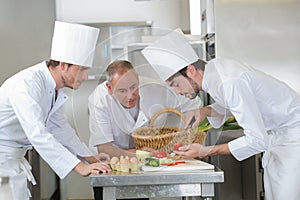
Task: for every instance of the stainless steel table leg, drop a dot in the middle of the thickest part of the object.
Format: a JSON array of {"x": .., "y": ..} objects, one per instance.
[{"x": 109, "y": 193}]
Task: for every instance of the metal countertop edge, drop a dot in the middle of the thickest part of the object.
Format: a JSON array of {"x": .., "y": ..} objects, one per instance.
[{"x": 157, "y": 178}]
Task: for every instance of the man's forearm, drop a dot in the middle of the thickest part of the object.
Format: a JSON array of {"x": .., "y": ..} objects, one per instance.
[
  {"x": 206, "y": 111},
  {"x": 220, "y": 149},
  {"x": 114, "y": 151},
  {"x": 210, "y": 112},
  {"x": 91, "y": 159}
]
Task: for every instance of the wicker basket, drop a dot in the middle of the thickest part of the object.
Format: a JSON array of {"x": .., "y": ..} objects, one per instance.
[{"x": 162, "y": 138}]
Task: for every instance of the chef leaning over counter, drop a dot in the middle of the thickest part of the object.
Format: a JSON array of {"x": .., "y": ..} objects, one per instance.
[
  {"x": 31, "y": 111},
  {"x": 266, "y": 108},
  {"x": 125, "y": 102}
]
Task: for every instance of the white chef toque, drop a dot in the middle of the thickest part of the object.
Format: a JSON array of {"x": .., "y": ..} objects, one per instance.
[
  {"x": 170, "y": 53},
  {"x": 74, "y": 43}
]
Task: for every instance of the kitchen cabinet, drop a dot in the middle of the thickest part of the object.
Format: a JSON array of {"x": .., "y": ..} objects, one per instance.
[
  {"x": 243, "y": 179},
  {"x": 113, "y": 39}
]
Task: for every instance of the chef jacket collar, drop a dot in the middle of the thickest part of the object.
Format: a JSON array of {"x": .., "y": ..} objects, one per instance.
[
  {"x": 50, "y": 80},
  {"x": 204, "y": 83}
]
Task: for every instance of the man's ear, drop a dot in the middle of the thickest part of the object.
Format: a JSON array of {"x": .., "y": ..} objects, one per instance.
[
  {"x": 63, "y": 66},
  {"x": 109, "y": 88},
  {"x": 191, "y": 71}
]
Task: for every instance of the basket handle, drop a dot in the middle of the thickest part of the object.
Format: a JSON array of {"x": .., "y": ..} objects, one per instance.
[{"x": 165, "y": 110}]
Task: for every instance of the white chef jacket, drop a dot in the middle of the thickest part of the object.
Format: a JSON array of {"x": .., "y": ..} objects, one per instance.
[
  {"x": 29, "y": 115},
  {"x": 269, "y": 112},
  {"x": 110, "y": 122},
  {"x": 259, "y": 102}
]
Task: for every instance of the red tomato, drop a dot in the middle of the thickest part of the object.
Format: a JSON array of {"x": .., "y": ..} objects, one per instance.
[
  {"x": 161, "y": 155},
  {"x": 177, "y": 145}
]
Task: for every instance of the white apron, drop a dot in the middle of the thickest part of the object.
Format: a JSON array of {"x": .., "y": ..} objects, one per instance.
[
  {"x": 14, "y": 165},
  {"x": 281, "y": 165}
]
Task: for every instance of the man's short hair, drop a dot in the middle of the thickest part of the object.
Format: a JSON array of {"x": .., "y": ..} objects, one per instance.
[
  {"x": 52, "y": 63},
  {"x": 117, "y": 66}
]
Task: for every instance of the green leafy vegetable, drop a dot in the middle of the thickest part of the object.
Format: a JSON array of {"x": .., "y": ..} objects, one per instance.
[
  {"x": 153, "y": 162},
  {"x": 230, "y": 124}
]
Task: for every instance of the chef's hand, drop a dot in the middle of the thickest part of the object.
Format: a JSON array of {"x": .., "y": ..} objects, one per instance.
[
  {"x": 198, "y": 115},
  {"x": 194, "y": 117},
  {"x": 194, "y": 150},
  {"x": 103, "y": 157},
  {"x": 94, "y": 168},
  {"x": 148, "y": 149}
]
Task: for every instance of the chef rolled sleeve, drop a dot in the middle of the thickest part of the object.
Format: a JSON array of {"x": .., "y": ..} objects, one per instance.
[
  {"x": 241, "y": 149},
  {"x": 217, "y": 122}
]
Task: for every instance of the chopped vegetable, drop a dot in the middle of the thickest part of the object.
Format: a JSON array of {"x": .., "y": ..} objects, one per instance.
[
  {"x": 160, "y": 155},
  {"x": 165, "y": 161},
  {"x": 153, "y": 162},
  {"x": 177, "y": 146},
  {"x": 174, "y": 163},
  {"x": 204, "y": 125},
  {"x": 141, "y": 155}
]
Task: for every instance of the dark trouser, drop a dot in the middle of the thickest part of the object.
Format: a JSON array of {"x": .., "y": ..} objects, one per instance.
[{"x": 98, "y": 194}]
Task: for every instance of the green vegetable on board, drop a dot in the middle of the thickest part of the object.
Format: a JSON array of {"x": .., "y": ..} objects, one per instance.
[{"x": 153, "y": 162}]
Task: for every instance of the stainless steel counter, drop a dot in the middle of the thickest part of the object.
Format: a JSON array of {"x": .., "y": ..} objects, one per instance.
[{"x": 158, "y": 184}]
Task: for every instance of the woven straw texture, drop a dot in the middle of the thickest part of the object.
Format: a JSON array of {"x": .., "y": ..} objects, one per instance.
[{"x": 162, "y": 138}]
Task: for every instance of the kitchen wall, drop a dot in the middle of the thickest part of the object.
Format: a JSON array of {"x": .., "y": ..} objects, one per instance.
[
  {"x": 25, "y": 35},
  {"x": 264, "y": 34},
  {"x": 164, "y": 13}
]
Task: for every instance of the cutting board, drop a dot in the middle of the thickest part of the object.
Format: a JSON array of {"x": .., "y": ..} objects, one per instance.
[{"x": 189, "y": 165}]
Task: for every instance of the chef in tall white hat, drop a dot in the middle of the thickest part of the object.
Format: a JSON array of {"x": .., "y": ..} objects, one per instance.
[
  {"x": 170, "y": 54},
  {"x": 31, "y": 111},
  {"x": 267, "y": 109}
]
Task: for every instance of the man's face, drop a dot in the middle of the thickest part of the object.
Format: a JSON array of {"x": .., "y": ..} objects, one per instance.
[
  {"x": 184, "y": 86},
  {"x": 125, "y": 88},
  {"x": 74, "y": 75}
]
